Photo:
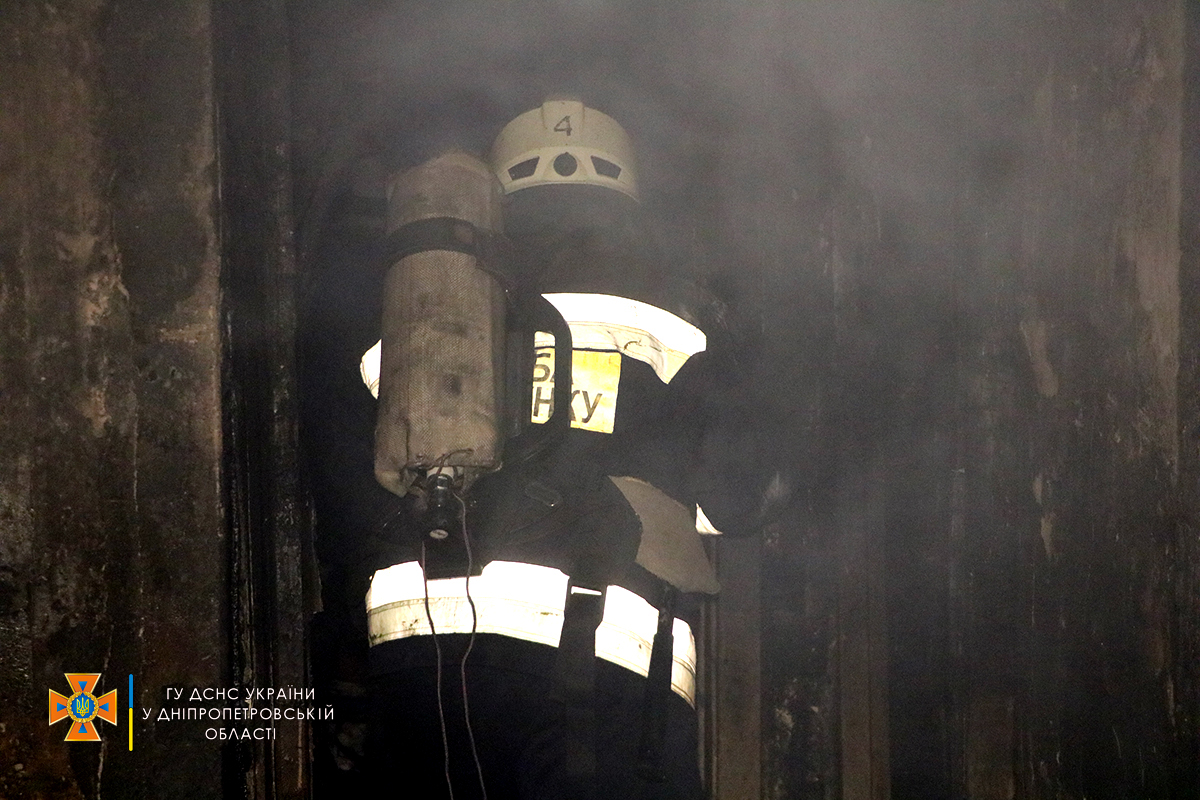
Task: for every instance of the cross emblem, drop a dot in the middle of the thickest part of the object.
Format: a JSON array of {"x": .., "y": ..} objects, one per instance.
[{"x": 83, "y": 707}]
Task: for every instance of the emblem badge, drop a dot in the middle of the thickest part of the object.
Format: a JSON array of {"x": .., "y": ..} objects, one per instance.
[{"x": 82, "y": 707}]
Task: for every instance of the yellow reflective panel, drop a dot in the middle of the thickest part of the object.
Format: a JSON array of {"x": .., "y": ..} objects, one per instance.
[{"x": 595, "y": 376}]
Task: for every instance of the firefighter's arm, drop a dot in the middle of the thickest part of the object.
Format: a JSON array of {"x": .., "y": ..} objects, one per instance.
[{"x": 737, "y": 477}]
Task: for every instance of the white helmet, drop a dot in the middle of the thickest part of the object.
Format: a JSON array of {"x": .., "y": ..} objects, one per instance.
[{"x": 564, "y": 142}]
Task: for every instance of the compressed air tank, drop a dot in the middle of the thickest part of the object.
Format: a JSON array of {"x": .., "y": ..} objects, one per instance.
[{"x": 441, "y": 380}]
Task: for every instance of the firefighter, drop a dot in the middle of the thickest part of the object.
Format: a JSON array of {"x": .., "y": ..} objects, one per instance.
[{"x": 534, "y": 594}]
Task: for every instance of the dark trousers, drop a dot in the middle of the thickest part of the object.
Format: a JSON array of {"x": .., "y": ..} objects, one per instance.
[{"x": 529, "y": 743}]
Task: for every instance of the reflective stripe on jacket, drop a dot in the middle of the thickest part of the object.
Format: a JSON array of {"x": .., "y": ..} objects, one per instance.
[{"x": 524, "y": 601}]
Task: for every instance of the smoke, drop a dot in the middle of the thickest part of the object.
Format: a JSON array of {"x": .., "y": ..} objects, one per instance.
[{"x": 751, "y": 120}]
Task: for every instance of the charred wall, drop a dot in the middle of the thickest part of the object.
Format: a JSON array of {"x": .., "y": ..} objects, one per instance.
[
  {"x": 1007, "y": 349},
  {"x": 958, "y": 229},
  {"x": 271, "y": 586},
  {"x": 112, "y": 530},
  {"x": 150, "y": 520},
  {"x": 1185, "y": 565}
]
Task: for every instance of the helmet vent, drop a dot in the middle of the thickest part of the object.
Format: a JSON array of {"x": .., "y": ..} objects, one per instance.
[
  {"x": 565, "y": 164},
  {"x": 606, "y": 168},
  {"x": 523, "y": 170}
]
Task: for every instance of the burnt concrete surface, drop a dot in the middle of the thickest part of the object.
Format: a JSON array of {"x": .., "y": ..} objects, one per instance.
[
  {"x": 271, "y": 583},
  {"x": 111, "y": 520}
]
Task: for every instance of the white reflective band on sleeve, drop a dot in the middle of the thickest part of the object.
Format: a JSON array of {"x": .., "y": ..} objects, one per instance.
[
  {"x": 704, "y": 525},
  {"x": 368, "y": 367},
  {"x": 524, "y": 601},
  {"x": 631, "y": 327}
]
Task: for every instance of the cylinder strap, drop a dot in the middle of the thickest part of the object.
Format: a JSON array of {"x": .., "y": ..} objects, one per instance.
[{"x": 456, "y": 235}]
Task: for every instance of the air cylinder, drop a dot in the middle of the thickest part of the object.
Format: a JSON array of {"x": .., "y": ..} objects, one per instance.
[{"x": 441, "y": 381}]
